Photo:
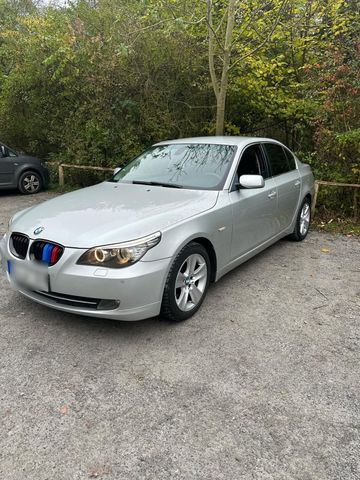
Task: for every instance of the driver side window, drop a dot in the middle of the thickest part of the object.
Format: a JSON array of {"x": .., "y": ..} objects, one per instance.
[
  {"x": 252, "y": 162},
  {"x": 5, "y": 152}
]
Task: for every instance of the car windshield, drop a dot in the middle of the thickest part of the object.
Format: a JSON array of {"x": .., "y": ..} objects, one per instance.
[{"x": 194, "y": 166}]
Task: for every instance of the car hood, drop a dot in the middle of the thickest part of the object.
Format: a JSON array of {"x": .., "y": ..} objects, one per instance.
[{"x": 111, "y": 213}]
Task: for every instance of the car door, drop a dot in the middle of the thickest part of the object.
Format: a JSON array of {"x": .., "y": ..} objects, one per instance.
[
  {"x": 254, "y": 210},
  {"x": 287, "y": 179},
  {"x": 7, "y": 170},
  {"x": 7, "y": 167}
]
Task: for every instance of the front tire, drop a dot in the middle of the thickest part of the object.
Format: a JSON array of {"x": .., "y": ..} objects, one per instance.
[
  {"x": 186, "y": 284},
  {"x": 302, "y": 221},
  {"x": 30, "y": 182}
]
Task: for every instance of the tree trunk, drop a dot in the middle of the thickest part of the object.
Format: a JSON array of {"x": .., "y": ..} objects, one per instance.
[
  {"x": 220, "y": 113},
  {"x": 221, "y": 97},
  {"x": 221, "y": 86}
]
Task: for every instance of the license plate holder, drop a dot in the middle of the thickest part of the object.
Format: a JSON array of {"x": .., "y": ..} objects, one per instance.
[{"x": 30, "y": 275}]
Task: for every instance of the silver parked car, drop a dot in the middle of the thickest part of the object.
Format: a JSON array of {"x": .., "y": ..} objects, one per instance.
[{"x": 151, "y": 239}]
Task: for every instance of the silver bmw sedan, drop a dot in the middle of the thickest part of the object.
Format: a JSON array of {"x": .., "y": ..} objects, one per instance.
[{"x": 150, "y": 240}]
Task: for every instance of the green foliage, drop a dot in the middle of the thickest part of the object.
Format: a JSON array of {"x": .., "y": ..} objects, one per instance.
[
  {"x": 88, "y": 85},
  {"x": 96, "y": 82}
]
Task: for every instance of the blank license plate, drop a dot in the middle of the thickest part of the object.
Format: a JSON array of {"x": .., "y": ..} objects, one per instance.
[{"x": 29, "y": 275}]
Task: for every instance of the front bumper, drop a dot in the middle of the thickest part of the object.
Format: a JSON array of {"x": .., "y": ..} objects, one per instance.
[{"x": 136, "y": 291}]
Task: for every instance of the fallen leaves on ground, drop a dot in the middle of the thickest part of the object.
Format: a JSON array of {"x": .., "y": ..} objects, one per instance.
[{"x": 64, "y": 409}]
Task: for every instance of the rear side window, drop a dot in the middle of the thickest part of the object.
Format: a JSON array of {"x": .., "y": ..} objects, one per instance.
[{"x": 278, "y": 161}]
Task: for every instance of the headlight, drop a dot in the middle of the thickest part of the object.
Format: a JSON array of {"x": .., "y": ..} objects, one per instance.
[{"x": 121, "y": 254}]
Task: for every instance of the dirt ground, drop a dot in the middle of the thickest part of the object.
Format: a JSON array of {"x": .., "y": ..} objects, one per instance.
[{"x": 262, "y": 383}]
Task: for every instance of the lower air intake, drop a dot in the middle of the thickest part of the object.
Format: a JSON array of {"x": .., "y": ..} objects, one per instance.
[{"x": 80, "y": 302}]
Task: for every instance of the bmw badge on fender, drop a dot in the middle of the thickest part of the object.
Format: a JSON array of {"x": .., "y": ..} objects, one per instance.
[{"x": 149, "y": 240}]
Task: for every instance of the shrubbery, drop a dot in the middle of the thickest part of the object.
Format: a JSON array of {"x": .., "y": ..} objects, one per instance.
[{"x": 97, "y": 82}]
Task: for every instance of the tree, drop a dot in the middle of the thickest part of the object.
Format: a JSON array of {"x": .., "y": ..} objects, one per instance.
[
  {"x": 232, "y": 44},
  {"x": 96, "y": 82}
]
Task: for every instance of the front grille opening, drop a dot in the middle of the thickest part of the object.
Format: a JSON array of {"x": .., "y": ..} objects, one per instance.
[
  {"x": 19, "y": 244},
  {"x": 46, "y": 252},
  {"x": 81, "y": 302}
]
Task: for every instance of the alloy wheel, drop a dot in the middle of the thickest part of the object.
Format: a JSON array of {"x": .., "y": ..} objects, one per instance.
[
  {"x": 304, "y": 219},
  {"x": 191, "y": 282},
  {"x": 31, "y": 183}
]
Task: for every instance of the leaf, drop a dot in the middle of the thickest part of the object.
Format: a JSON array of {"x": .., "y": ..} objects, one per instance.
[
  {"x": 324, "y": 250},
  {"x": 64, "y": 409},
  {"x": 93, "y": 474}
]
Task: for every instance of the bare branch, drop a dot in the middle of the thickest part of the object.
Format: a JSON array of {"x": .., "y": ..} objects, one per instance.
[
  {"x": 192, "y": 107},
  {"x": 210, "y": 26},
  {"x": 221, "y": 22},
  {"x": 265, "y": 40},
  {"x": 248, "y": 22},
  {"x": 153, "y": 25}
]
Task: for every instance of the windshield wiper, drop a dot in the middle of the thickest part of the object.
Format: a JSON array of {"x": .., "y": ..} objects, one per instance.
[{"x": 157, "y": 184}]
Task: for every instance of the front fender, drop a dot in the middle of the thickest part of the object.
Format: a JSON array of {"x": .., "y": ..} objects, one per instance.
[{"x": 214, "y": 225}]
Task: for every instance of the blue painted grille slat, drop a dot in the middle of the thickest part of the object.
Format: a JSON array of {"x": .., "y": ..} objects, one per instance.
[{"x": 46, "y": 255}]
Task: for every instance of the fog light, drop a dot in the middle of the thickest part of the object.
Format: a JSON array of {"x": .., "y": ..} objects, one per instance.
[{"x": 108, "y": 304}]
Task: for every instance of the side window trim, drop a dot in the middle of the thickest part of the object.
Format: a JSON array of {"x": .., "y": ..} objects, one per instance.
[
  {"x": 289, "y": 152},
  {"x": 267, "y": 158},
  {"x": 266, "y": 161}
]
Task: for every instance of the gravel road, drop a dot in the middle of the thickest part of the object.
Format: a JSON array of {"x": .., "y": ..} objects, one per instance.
[{"x": 263, "y": 383}]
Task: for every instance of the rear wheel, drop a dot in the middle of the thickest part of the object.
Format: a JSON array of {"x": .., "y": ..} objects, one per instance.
[
  {"x": 302, "y": 221},
  {"x": 30, "y": 182},
  {"x": 187, "y": 283}
]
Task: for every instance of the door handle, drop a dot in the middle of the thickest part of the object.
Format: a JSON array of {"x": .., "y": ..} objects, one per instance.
[
  {"x": 297, "y": 183},
  {"x": 272, "y": 194}
]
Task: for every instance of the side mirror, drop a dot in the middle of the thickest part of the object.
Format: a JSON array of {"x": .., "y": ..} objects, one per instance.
[
  {"x": 251, "y": 181},
  {"x": 116, "y": 170}
]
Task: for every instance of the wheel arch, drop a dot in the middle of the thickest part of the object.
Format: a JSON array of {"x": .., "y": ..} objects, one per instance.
[
  {"x": 28, "y": 168},
  {"x": 309, "y": 196},
  {"x": 168, "y": 310},
  {"x": 209, "y": 247},
  {"x": 175, "y": 248}
]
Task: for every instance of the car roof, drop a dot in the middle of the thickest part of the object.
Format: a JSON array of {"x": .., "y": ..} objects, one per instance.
[{"x": 219, "y": 140}]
